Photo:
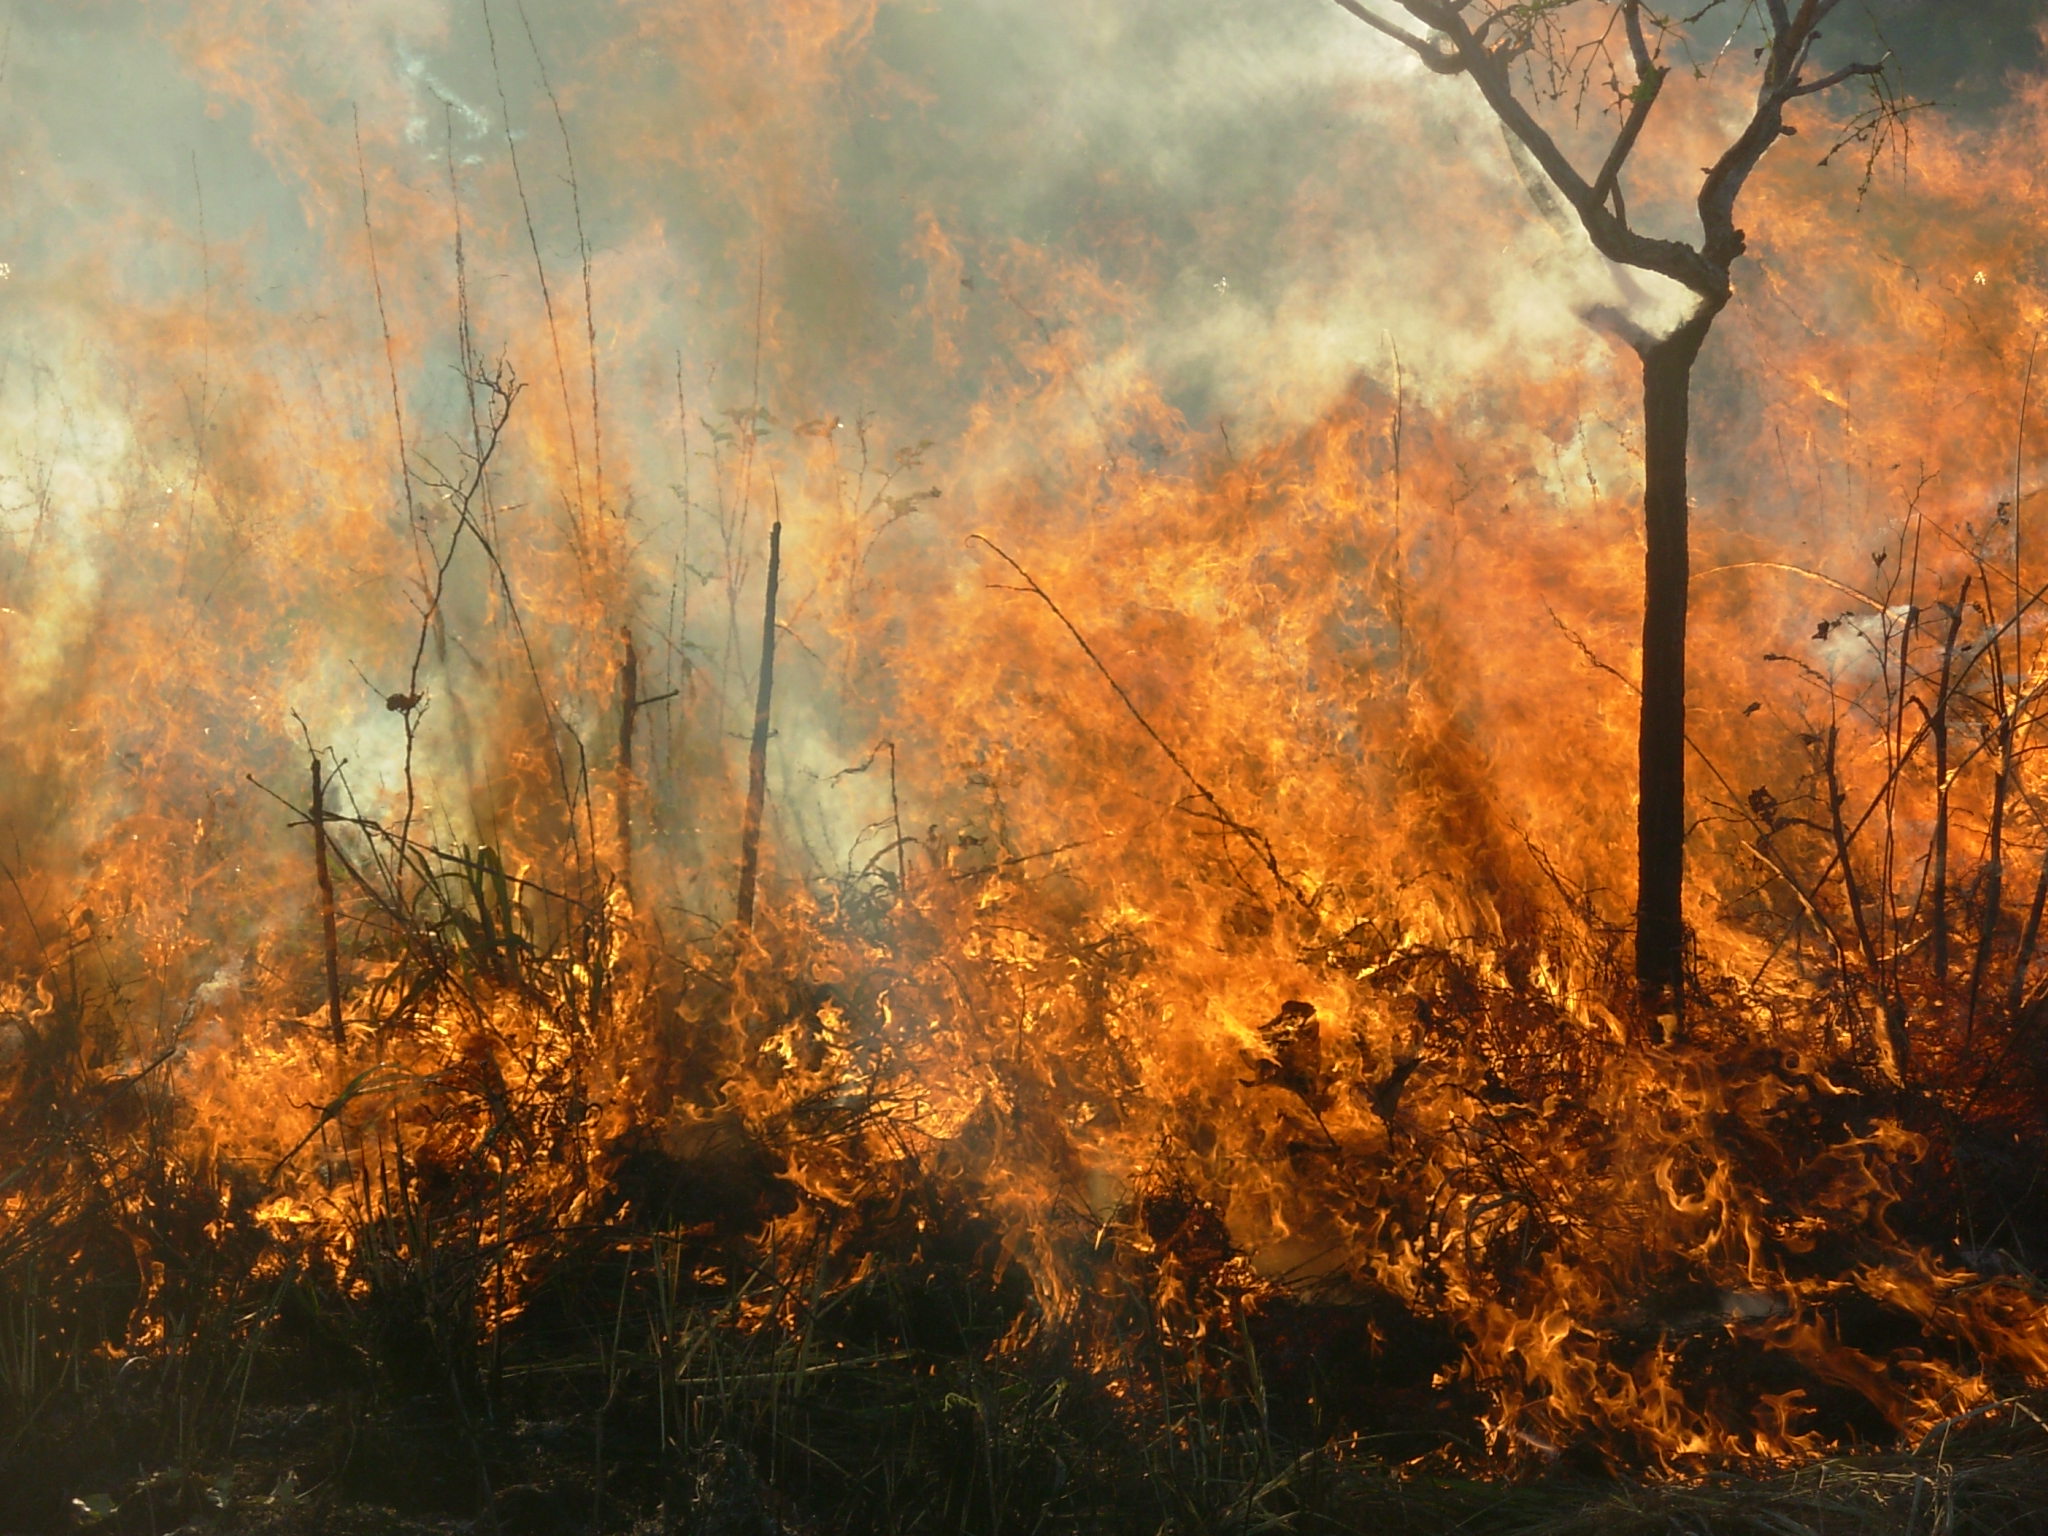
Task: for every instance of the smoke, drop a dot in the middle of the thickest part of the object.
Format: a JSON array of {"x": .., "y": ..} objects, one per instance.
[
  {"x": 1253, "y": 193},
  {"x": 1228, "y": 197},
  {"x": 1026, "y": 236},
  {"x": 219, "y": 215},
  {"x": 1965, "y": 54}
]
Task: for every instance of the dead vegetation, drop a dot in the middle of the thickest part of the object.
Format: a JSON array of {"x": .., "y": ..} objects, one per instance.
[
  {"x": 499, "y": 1190},
  {"x": 806, "y": 1228}
]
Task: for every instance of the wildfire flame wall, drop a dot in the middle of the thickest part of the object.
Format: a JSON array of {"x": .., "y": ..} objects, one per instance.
[{"x": 1203, "y": 733}]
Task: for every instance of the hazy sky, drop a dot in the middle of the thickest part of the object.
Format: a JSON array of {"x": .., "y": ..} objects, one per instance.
[{"x": 1221, "y": 166}]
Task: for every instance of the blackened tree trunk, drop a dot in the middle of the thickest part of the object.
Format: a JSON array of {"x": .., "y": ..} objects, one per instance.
[{"x": 1660, "y": 742}]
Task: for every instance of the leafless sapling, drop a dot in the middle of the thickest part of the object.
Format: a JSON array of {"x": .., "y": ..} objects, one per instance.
[{"x": 1524, "y": 56}]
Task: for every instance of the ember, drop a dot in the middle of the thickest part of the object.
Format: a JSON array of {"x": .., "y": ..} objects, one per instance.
[{"x": 730, "y": 806}]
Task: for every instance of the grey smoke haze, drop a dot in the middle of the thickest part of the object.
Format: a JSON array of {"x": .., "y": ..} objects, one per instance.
[
  {"x": 1229, "y": 170},
  {"x": 1960, "y": 52},
  {"x": 983, "y": 221}
]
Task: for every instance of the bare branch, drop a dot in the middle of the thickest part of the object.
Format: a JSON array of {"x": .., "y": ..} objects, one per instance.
[
  {"x": 1608, "y": 230},
  {"x": 1649, "y": 85},
  {"x": 1724, "y": 184},
  {"x": 1826, "y": 82},
  {"x": 1450, "y": 39},
  {"x": 1638, "y": 45},
  {"x": 1431, "y": 55},
  {"x": 1781, "y": 84},
  {"x": 1789, "y": 77}
]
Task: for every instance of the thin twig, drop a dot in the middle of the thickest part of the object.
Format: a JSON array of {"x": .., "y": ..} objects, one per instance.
[
  {"x": 757, "y": 751},
  {"x": 329, "y": 939},
  {"x": 1252, "y": 838}
]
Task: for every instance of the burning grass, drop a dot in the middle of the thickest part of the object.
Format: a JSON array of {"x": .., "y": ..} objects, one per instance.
[
  {"x": 987, "y": 1185},
  {"x": 1173, "y": 1066},
  {"x": 991, "y": 1186},
  {"x": 868, "y": 1219}
]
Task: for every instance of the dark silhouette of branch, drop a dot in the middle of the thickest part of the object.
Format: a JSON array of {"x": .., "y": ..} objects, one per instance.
[
  {"x": 1443, "y": 63},
  {"x": 757, "y": 753},
  {"x": 1451, "y": 44}
]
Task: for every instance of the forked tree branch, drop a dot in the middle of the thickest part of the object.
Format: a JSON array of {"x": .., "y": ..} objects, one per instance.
[
  {"x": 1449, "y": 44},
  {"x": 1829, "y": 82},
  {"x": 1436, "y": 58},
  {"x": 1649, "y": 85}
]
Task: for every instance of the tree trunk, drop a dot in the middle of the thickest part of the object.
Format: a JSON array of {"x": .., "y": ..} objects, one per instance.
[{"x": 1660, "y": 759}]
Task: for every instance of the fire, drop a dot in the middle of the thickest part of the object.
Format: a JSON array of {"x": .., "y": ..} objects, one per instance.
[{"x": 1199, "y": 790}]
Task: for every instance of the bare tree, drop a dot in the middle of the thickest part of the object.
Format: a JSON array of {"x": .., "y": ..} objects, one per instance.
[{"x": 1525, "y": 55}]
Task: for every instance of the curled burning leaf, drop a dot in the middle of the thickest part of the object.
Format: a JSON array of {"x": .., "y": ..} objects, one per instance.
[
  {"x": 1294, "y": 1037},
  {"x": 1386, "y": 1094}
]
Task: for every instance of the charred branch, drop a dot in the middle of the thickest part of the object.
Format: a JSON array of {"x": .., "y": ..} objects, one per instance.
[
  {"x": 330, "y": 945},
  {"x": 1439, "y": 59},
  {"x": 1451, "y": 44},
  {"x": 630, "y": 704},
  {"x": 757, "y": 750}
]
